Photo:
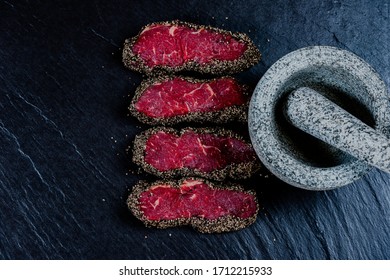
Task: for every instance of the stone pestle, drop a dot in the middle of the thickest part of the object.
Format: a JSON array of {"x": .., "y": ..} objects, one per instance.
[{"x": 316, "y": 115}]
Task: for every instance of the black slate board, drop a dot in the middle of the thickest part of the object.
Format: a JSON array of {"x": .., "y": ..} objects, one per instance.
[{"x": 64, "y": 129}]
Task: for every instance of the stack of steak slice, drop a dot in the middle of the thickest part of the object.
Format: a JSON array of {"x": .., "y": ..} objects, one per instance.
[{"x": 185, "y": 159}]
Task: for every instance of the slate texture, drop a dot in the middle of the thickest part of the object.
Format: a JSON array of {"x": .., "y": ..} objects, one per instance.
[{"x": 64, "y": 128}]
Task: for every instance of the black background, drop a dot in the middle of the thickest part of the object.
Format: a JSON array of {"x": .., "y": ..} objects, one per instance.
[{"x": 64, "y": 128}]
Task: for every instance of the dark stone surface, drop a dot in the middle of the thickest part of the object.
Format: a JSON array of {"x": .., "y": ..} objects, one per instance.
[{"x": 64, "y": 129}]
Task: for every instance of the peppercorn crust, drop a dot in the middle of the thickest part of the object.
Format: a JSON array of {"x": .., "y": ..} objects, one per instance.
[
  {"x": 227, "y": 114},
  {"x": 250, "y": 57},
  {"x": 219, "y": 225},
  {"x": 234, "y": 171}
]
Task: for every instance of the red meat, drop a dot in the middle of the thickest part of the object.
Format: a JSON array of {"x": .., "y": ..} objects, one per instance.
[
  {"x": 194, "y": 201},
  {"x": 175, "y": 46},
  {"x": 169, "y": 100},
  {"x": 209, "y": 153}
]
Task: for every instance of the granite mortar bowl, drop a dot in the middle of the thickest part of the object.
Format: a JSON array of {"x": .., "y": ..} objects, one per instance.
[{"x": 289, "y": 153}]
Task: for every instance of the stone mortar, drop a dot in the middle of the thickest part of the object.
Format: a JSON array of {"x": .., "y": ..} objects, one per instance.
[{"x": 294, "y": 156}]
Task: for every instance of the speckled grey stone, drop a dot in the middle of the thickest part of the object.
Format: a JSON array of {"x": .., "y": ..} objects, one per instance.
[
  {"x": 295, "y": 156},
  {"x": 315, "y": 114}
]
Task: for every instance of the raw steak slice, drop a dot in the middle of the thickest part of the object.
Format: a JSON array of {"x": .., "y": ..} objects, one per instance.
[
  {"x": 175, "y": 46},
  {"x": 170, "y": 100},
  {"x": 207, "y": 207},
  {"x": 206, "y": 152}
]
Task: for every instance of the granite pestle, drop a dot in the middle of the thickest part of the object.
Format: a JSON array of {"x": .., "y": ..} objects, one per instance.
[{"x": 316, "y": 115}]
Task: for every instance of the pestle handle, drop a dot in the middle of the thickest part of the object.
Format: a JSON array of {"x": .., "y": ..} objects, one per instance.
[{"x": 315, "y": 114}]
